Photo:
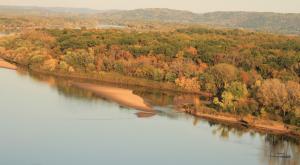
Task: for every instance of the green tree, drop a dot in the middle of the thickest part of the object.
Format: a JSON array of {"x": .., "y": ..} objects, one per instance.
[
  {"x": 232, "y": 95},
  {"x": 222, "y": 74},
  {"x": 79, "y": 58}
]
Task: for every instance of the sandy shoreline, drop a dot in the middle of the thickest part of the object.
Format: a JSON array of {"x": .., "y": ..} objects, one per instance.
[
  {"x": 124, "y": 97},
  {"x": 256, "y": 124},
  {"x": 4, "y": 64}
]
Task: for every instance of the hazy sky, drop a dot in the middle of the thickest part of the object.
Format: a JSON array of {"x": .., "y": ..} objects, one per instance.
[{"x": 192, "y": 5}]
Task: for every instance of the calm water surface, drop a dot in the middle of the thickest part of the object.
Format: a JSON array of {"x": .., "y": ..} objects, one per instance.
[{"x": 43, "y": 121}]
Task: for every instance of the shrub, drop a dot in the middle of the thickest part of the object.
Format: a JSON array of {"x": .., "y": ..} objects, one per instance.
[
  {"x": 50, "y": 65},
  {"x": 190, "y": 84},
  {"x": 170, "y": 76},
  {"x": 63, "y": 66},
  {"x": 37, "y": 59},
  {"x": 158, "y": 74},
  {"x": 79, "y": 58},
  {"x": 238, "y": 90}
]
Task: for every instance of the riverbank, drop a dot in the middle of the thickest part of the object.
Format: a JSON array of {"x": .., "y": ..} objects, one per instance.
[
  {"x": 252, "y": 122},
  {"x": 127, "y": 99},
  {"x": 4, "y": 64},
  {"x": 266, "y": 126}
]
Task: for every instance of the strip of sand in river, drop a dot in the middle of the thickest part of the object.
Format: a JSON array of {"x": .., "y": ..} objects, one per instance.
[
  {"x": 124, "y": 97},
  {"x": 4, "y": 64}
]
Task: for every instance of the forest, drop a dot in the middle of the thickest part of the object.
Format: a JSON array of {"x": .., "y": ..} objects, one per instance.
[{"x": 244, "y": 72}]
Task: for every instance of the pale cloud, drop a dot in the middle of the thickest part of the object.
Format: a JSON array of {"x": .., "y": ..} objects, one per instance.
[{"x": 192, "y": 5}]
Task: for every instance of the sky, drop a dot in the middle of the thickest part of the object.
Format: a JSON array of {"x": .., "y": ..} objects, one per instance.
[{"x": 199, "y": 6}]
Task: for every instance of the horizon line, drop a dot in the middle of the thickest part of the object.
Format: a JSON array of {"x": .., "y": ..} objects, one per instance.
[{"x": 112, "y": 9}]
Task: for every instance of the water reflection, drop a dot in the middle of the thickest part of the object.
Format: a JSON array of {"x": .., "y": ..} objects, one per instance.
[
  {"x": 275, "y": 150},
  {"x": 280, "y": 150},
  {"x": 62, "y": 85}
]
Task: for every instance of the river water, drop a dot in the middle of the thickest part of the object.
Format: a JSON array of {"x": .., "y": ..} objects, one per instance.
[{"x": 44, "y": 121}]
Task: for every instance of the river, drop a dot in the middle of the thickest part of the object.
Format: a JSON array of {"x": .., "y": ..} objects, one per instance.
[{"x": 45, "y": 121}]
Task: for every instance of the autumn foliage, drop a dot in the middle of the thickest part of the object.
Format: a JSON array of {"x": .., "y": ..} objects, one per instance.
[{"x": 245, "y": 72}]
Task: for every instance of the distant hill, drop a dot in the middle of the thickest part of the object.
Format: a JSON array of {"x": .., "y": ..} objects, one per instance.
[
  {"x": 261, "y": 21},
  {"x": 271, "y": 22},
  {"x": 163, "y": 15},
  {"x": 32, "y": 10}
]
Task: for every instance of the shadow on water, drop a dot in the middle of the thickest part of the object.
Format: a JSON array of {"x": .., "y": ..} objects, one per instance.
[{"x": 276, "y": 149}]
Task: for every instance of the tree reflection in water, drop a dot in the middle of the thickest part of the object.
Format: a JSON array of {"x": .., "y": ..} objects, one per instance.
[
  {"x": 276, "y": 149},
  {"x": 281, "y": 150}
]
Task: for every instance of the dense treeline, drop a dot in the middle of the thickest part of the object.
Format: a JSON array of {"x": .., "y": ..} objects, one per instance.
[{"x": 245, "y": 72}]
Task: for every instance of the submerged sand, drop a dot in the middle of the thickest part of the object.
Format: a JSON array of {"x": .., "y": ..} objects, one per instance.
[
  {"x": 124, "y": 97},
  {"x": 4, "y": 64}
]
